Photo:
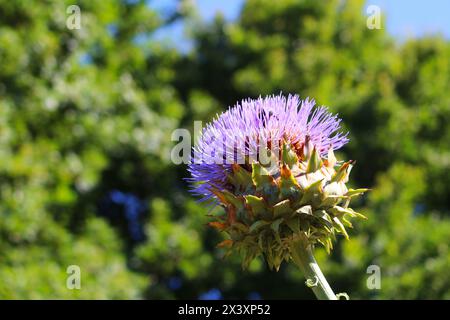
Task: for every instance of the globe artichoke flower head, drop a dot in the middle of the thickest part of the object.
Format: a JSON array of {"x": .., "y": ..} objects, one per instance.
[{"x": 270, "y": 164}]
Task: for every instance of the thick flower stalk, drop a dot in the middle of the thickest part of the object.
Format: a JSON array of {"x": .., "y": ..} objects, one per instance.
[{"x": 270, "y": 164}]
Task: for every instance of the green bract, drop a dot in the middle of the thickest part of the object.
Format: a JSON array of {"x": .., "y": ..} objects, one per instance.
[{"x": 297, "y": 195}]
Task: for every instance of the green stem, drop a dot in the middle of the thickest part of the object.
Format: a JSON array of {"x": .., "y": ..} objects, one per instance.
[{"x": 302, "y": 255}]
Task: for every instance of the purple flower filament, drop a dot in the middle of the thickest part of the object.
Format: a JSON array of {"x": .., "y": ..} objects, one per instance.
[{"x": 239, "y": 135}]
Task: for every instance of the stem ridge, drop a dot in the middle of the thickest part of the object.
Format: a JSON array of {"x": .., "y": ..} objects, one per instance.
[{"x": 302, "y": 255}]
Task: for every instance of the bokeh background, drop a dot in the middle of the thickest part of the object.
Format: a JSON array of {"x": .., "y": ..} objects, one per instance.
[{"x": 86, "y": 118}]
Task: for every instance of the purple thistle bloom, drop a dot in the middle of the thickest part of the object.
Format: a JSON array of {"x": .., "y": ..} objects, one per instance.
[{"x": 236, "y": 136}]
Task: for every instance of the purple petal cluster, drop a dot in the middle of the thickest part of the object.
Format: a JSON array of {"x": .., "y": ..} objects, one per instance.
[{"x": 238, "y": 134}]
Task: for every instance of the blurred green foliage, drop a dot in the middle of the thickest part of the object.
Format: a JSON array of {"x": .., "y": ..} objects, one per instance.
[{"x": 83, "y": 112}]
